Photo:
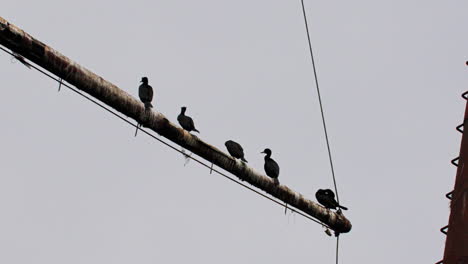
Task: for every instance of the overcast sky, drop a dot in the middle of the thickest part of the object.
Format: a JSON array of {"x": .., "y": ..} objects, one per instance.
[{"x": 77, "y": 187}]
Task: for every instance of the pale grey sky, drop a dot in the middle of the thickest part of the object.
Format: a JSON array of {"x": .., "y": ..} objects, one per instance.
[{"x": 77, "y": 187}]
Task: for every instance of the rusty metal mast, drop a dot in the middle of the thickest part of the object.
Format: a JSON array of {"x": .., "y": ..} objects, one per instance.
[
  {"x": 456, "y": 244},
  {"x": 25, "y": 45}
]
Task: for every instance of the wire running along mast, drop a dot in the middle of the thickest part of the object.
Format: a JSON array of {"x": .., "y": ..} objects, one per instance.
[
  {"x": 61, "y": 83},
  {"x": 66, "y": 70}
]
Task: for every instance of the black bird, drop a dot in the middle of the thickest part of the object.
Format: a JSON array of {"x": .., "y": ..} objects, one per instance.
[
  {"x": 235, "y": 149},
  {"x": 186, "y": 122},
  {"x": 271, "y": 167},
  {"x": 327, "y": 199},
  {"x": 145, "y": 91}
]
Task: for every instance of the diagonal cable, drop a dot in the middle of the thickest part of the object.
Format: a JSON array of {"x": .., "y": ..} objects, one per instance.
[
  {"x": 165, "y": 143},
  {"x": 320, "y": 101},
  {"x": 323, "y": 117}
]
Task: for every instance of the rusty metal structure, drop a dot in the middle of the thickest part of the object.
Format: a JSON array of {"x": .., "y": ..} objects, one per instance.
[
  {"x": 67, "y": 70},
  {"x": 456, "y": 244}
]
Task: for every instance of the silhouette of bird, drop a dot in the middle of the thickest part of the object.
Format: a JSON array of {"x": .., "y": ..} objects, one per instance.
[
  {"x": 145, "y": 92},
  {"x": 327, "y": 199},
  {"x": 186, "y": 122},
  {"x": 235, "y": 149},
  {"x": 271, "y": 167}
]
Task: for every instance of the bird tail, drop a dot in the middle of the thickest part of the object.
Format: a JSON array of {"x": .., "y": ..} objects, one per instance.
[
  {"x": 195, "y": 130},
  {"x": 137, "y": 127},
  {"x": 342, "y": 207},
  {"x": 148, "y": 105},
  {"x": 276, "y": 181},
  {"x": 244, "y": 160}
]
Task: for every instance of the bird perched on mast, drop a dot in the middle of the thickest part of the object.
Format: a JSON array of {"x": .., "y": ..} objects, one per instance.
[
  {"x": 145, "y": 92},
  {"x": 235, "y": 149},
  {"x": 186, "y": 122},
  {"x": 327, "y": 199},
  {"x": 271, "y": 167}
]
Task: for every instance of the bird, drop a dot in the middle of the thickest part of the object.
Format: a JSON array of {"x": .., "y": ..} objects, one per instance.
[
  {"x": 235, "y": 149},
  {"x": 271, "y": 167},
  {"x": 186, "y": 122},
  {"x": 145, "y": 92},
  {"x": 327, "y": 199}
]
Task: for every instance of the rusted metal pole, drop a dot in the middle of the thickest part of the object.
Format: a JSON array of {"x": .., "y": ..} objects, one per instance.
[
  {"x": 456, "y": 244},
  {"x": 24, "y": 44}
]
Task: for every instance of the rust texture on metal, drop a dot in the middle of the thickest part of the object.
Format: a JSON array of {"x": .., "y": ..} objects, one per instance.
[
  {"x": 24, "y": 44},
  {"x": 456, "y": 244}
]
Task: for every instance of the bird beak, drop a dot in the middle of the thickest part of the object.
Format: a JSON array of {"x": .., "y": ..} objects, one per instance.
[{"x": 262, "y": 152}]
